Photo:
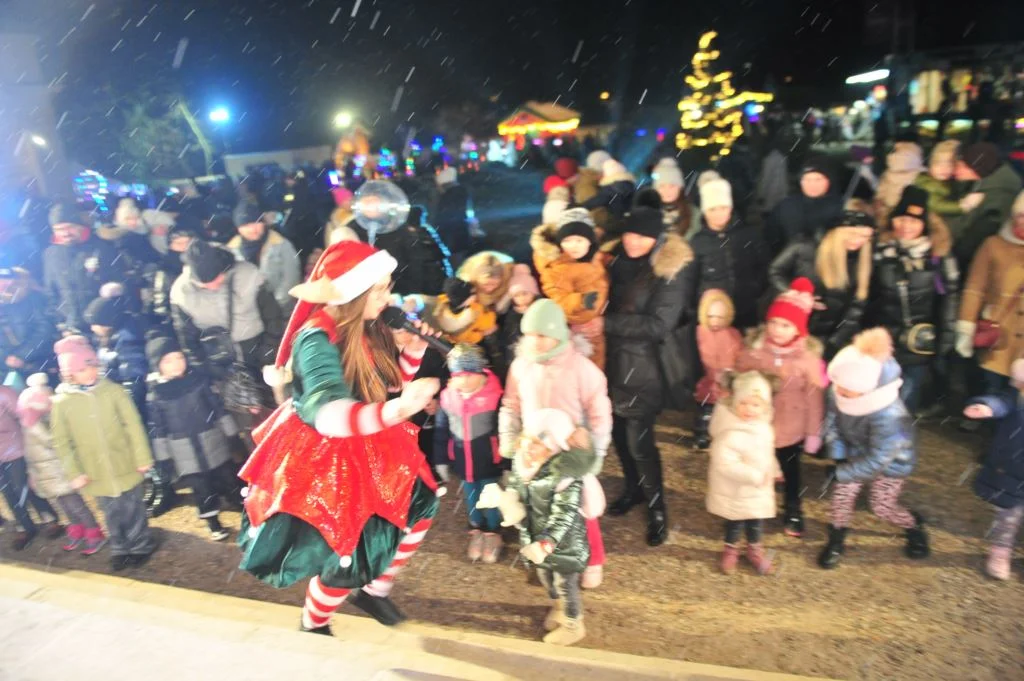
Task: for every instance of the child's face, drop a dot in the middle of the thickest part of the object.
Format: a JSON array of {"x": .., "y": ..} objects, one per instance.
[
  {"x": 718, "y": 316},
  {"x": 467, "y": 384},
  {"x": 87, "y": 376},
  {"x": 538, "y": 345},
  {"x": 847, "y": 393},
  {"x": 173, "y": 365},
  {"x": 718, "y": 217},
  {"x": 751, "y": 409},
  {"x": 523, "y": 300},
  {"x": 907, "y": 227},
  {"x": 576, "y": 247},
  {"x": 941, "y": 170},
  {"x": 488, "y": 285},
  {"x": 781, "y": 331}
]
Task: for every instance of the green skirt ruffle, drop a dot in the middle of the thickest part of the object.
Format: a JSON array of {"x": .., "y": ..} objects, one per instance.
[{"x": 285, "y": 550}]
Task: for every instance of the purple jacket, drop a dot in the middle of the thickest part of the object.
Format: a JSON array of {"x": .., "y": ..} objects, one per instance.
[{"x": 466, "y": 434}]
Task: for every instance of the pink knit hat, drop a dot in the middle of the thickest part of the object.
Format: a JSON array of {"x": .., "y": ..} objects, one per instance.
[
  {"x": 34, "y": 401},
  {"x": 522, "y": 281},
  {"x": 75, "y": 353}
]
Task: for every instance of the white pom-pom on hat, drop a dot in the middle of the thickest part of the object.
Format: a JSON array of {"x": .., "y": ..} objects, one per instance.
[
  {"x": 345, "y": 562},
  {"x": 37, "y": 380},
  {"x": 112, "y": 289}
]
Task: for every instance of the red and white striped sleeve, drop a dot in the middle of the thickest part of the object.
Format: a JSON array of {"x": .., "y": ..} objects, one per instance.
[
  {"x": 351, "y": 418},
  {"x": 409, "y": 362}
]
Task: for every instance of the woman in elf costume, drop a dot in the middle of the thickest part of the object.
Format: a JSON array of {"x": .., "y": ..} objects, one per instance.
[{"x": 338, "y": 490}]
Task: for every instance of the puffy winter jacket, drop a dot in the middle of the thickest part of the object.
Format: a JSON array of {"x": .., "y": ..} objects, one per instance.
[
  {"x": 466, "y": 432},
  {"x": 98, "y": 432},
  {"x": 28, "y": 333},
  {"x": 879, "y": 444},
  {"x": 1001, "y": 479},
  {"x": 734, "y": 260},
  {"x": 942, "y": 199},
  {"x": 933, "y": 297},
  {"x": 969, "y": 233},
  {"x": 188, "y": 424},
  {"x": 553, "y": 497},
  {"x": 73, "y": 274},
  {"x": 836, "y": 318},
  {"x": 11, "y": 443},
  {"x": 646, "y": 301},
  {"x": 45, "y": 471},
  {"x": 800, "y": 216},
  {"x": 742, "y": 467}
]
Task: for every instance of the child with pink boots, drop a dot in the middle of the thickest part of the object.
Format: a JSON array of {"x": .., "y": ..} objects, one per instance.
[
  {"x": 784, "y": 348},
  {"x": 719, "y": 345},
  {"x": 743, "y": 467},
  {"x": 46, "y": 472}
]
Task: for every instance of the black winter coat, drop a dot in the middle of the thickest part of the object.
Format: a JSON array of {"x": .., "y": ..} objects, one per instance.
[
  {"x": 510, "y": 335},
  {"x": 422, "y": 259},
  {"x": 645, "y": 304},
  {"x": 73, "y": 275},
  {"x": 799, "y": 216},
  {"x": 1001, "y": 479},
  {"x": 840, "y": 319},
  {"x": 734, "y": 260},
  {"x": 617, "y": 197},
  {"x": 28, "y": 333},
  {"x": 933, "y": 297},
  {"x": 450, "y": 216}
]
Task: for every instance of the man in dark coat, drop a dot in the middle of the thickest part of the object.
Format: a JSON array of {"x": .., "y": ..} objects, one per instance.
[
  {"x": 804, "y": 214},
  {"x": 422, "y": 256},
  {"x": 76, "y": 265},
  {"x": 645, "y": 303},
  {"x": 994, "y": 187}
]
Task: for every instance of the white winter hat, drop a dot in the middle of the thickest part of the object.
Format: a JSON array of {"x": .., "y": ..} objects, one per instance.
[
  {"x": 1018, "y": 205},
  {"x": 596, "y": 159},
  {"x": 553, "y": 427},
  {"x": 858, "y": 367},
  {"x": 553, "y": 208},
  {"x": 667, "y": 173},
  {"x": 706, "y": 177},
  {"x": 447, "y": 175},
  {"x": 714, "y": 193}
]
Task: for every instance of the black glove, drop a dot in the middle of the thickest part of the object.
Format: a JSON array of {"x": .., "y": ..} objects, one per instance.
[{"x": 590, "y": 300}]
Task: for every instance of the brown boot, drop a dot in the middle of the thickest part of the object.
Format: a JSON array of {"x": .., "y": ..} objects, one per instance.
[
  {"x": 757, "y": 557},
  {"x": 572, "y": 631}
]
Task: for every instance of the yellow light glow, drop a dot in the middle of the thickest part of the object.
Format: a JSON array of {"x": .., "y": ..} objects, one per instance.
[
  {"x": 554, "y": 127},
  {"x": 705, "y": 40},
  {"x": 605, "y": 96}
]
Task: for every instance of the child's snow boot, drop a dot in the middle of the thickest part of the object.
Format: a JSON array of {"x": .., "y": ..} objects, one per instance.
[
  {"x": 572, "y": 631},
  {"x": 476, "y": 545},
  {"x": 74, "y": 537},
  {"x": 730, "y": 556},
  {"x": 833, "y": 551},
  {"x": 492, "y": 545},
  {"x": 593, "y": 575},
  {"x": 555, "y": 617},
  {"x": 917, "y": 540},
  {"x": 759, "y": 559},
  {"x": 94, "y": 541},
  {"x": 998, "y": 564}
]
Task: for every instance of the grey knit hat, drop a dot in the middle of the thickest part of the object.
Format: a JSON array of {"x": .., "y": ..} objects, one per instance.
[{"x": 467, "y": 359}]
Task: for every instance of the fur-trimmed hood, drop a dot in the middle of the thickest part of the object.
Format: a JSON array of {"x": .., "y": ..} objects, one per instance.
[
  {"x": 756, "y": 338},
  {"x": 935, "y": 227},
  {"x": 473, "y": 269},
  {"x": 542, "y": 242},
  {"x": 620, "y": 175},
  {"x": 668, "y": 258},
  {"x": 710, "y": 297}
]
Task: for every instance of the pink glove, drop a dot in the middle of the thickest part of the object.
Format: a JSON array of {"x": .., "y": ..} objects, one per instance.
[{"x": 812, "y": 443}]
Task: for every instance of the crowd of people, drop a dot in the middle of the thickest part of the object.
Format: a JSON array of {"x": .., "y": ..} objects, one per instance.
[{"x": 158, "y": 353}]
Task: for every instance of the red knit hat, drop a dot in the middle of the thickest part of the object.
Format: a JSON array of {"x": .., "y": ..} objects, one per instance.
[
  {"x": 551, "y": 182},
  {"x": 794, "y": 305},
  {"x": 345, "y": 271},
  {"x": 566, "y": 167}
]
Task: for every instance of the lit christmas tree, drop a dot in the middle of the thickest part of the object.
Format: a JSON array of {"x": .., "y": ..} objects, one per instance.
[{"x": 712, "y": 114}]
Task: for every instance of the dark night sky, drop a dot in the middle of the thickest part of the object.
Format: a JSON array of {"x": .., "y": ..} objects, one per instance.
[{"x": 288, "y": 65}]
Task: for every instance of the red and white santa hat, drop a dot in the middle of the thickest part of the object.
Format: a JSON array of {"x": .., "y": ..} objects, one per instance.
[
  {"x": 794, "y": 305},
  {"x": 345, "y": 271}
]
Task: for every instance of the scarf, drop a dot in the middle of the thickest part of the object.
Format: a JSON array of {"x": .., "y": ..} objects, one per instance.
[
  {"x": 251, "y": 249},
  {"x": 914, "y": 253},
  {"x": 868, "y": 403},
  {"x": 541, "y": 358}
]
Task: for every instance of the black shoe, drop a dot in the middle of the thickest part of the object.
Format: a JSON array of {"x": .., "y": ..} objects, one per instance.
[
  {"x": 381, "y": 609},
  {"x": 793, "y": 525},
  {"x": 136, "y": 560},
  {"x": 702, "y": 442},
  {"x": 624, "y": 503},
  {"x": 164, "y": 500},
  {"x": 834, "y": 549},
  {"x": 657, "y": 527},
  {"x": 917, "y": 541},
  {"x": 22, "y": 540},
  {"x": 323, "y": 631},
  {"x": 119, "y": 563}
]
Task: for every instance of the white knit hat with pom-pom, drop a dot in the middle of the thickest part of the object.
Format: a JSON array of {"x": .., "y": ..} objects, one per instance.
[{"x": 858, "y": 367}]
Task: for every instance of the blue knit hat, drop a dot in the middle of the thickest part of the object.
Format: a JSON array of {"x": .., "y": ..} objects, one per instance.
[{"x": 467, "y": 359}]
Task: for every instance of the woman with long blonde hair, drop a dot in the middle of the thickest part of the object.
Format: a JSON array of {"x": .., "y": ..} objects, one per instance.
[
  {"x": 839, "y": 264},
  {"x": 338, "y": 490}
]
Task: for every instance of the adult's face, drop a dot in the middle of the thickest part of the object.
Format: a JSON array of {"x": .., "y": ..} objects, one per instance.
[
  {"x": 637, "y": 245},
  {"x": 907, "y": 227},
  {"x": 252, "y": 231},
  {"x": 855, "y": 237},
  {"x": 67, "y": 233},
  {"x": 668, "y": 192},
  {"x": 814, "y": 185}
]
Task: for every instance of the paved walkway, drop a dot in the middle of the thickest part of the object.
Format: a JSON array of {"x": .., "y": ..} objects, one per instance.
[{"x": 95, "y": 628}]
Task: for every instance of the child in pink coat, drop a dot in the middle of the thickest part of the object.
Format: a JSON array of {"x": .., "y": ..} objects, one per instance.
[
  {"x": 719, "y": 344},
  {"x": 785, "y": 349},
  {"x": 549, "y": 372}
]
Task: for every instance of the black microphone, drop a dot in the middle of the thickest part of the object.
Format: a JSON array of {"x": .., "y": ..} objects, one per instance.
[{"x": 395, "y": 318}]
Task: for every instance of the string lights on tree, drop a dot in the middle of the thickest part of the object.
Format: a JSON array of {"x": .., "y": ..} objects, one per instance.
[{"x": 712, "y": 114}]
